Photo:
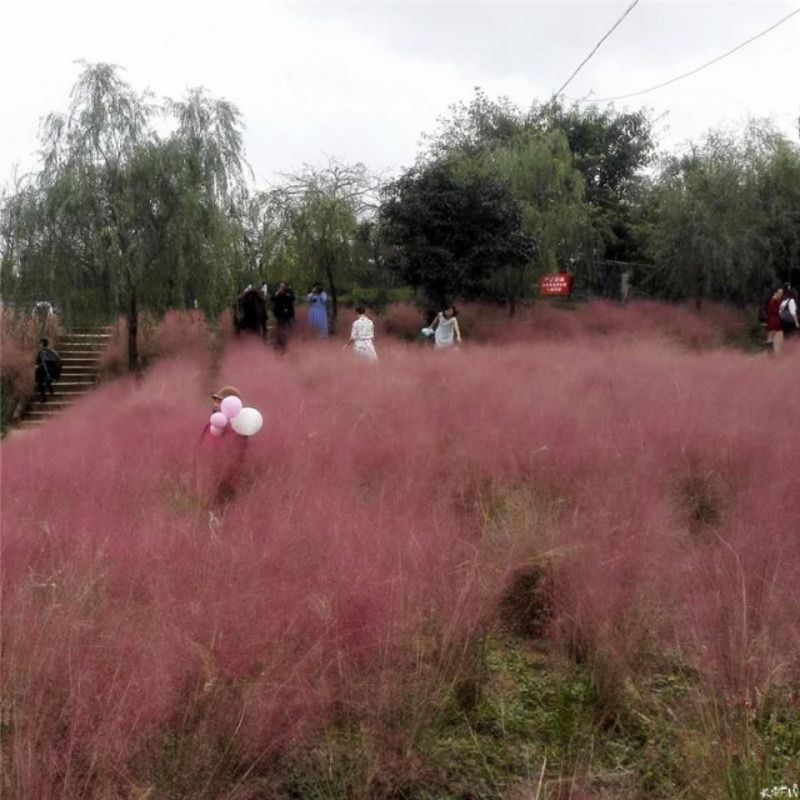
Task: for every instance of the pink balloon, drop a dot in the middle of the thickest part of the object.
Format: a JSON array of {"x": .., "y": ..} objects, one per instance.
[
  {"x": 230, "y": 406},
  {"x": 215, "y": 431},
  {"x": 218, "y": 419}
]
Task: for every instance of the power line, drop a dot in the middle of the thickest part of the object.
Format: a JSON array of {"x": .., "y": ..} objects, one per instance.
[
  {"x": 597, "y": 47},
  {"x": 691, "y": 71}
]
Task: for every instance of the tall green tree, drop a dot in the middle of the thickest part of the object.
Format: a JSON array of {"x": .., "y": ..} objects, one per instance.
[
  {"x": 538, "y": 169},
  {"x": 449, "y": 232},
  {"x": 120, "y": 219},
  {"x": 326, "y": 207},
  {"x": 93, "y": 161},
  {"x": 611, "y": 149},
  {"x": 725, "y": 218},
  {"x": 577, "y": 171}
]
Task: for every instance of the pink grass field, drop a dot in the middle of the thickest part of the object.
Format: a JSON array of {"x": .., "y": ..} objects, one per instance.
[{"x": 379, "y": 516}]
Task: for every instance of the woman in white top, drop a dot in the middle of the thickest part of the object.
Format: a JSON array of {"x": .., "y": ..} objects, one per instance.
[
  {"x": 788, "y": 311},
  {"x": 446, "y": 329},
  {"x": 362, "y": 336}
]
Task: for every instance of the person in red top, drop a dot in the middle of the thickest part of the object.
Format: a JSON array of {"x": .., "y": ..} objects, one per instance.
[
  {"x": 774, "y": 329},
  {"x": 221, "y": 457}
]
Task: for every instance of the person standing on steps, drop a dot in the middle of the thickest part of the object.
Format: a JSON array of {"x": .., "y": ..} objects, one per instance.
[
  {"x": 48, "y": 369},
  {"x": 318, "y": 311}
]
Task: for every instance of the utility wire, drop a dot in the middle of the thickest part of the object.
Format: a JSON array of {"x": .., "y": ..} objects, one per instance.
[
  {"x": 691, "y": 71},
  {"x": 597, "y": 47}
]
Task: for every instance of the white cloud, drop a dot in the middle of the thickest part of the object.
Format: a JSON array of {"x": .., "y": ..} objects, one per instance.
[{"x": 362, "y": 81}]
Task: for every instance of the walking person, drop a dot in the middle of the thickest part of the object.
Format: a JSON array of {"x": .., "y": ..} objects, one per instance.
[
  {"x": 445, "y": 327},
  {"x": 318, "y": 311},
  {"x": 250, "y": 315},
  {"x": 48, "y": 369},
  {"x": 788, "y": 312},
  {"x": 283, "y": 311},
  {"x": 362, "y": 336},
  {"x": 774, "y": 328},
  {"x": 221, "y": 457}
]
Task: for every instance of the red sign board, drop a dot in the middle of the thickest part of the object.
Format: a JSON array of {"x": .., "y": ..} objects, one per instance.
[{"x": 557, "y": 285}]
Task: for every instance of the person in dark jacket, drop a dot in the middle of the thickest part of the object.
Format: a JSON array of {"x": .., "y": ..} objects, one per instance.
[
  {"x": 48, "y": 369},
  {"x": 283, "y": 310},
  {"x": 250, "y": 313}
]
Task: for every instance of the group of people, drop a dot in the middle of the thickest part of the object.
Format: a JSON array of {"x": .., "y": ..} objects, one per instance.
[
  {"x": 250, "y": 311},
  {"x": 250, "y": 316},
  {"x": 443, "y": 330},
  {"x": 782, "y": 319}
]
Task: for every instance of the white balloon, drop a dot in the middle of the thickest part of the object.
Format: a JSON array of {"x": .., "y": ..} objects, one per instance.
[{"x": 247, "y": 422}]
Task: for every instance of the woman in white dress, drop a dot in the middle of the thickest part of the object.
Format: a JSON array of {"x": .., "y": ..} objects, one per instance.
[
  {"x": 446, "y": 330},
  {"x": 362, "y": 336}
]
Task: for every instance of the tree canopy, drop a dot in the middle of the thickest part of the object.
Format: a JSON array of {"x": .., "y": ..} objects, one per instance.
[{"x": 450, "y": 233}]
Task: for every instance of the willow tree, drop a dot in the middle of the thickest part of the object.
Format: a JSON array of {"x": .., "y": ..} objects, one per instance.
[
  {"x": 725, "y": 217},
  {"x": 208, "y": 247},
  {"x": 538, "y": 169},
  {"x": 120, "y": 219},
  {"x": 326, "y": 206}
]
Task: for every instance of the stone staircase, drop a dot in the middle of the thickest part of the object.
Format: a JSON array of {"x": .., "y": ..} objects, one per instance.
[{"x": 80, "y": 352}]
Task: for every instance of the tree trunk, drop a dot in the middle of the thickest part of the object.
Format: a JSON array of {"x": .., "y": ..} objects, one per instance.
[
  {"x": 133, "y": 333},
  {"x": 699, "y": 290},
  {"x": 334, "y": 300}
]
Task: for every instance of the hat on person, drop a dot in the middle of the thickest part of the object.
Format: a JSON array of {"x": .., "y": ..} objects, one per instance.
[{"x": 226, "y": 391}]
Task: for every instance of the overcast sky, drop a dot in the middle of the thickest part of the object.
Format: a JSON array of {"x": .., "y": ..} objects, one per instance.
[{"x": 362, "y": 81}]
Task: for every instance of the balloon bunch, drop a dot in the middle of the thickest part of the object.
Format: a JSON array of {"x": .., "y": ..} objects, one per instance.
[{"x": 245, "y": 421}]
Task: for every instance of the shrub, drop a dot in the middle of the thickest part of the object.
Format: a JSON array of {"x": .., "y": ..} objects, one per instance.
[{"x": 176, "y": 333}]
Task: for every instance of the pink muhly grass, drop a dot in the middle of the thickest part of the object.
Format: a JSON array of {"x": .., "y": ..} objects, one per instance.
[
  {"x": 177, "y": 333},
  {"x": 372, "y": 532},
  {"x": 182, "y": 333},
  {"x": 114, "y": 356},
  {"x": 402, "y": 320}
]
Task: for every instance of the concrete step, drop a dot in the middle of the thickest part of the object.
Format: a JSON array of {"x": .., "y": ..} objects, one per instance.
[
  {"x": 29, "y": 425},
  {"x": 73, "y": 370},
  {"x": 90, "y": 338},
  {"x": 28, "y": 421},
  {"x": 80, "y": 348},
  {"x": 78, "y": 359},
  {"x": 75, "y": 380},
  {"x": 52, "y": 404}
]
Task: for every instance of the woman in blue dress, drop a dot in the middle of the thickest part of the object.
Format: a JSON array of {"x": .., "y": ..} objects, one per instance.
[{"x": 318, "y": 311}]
